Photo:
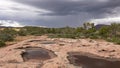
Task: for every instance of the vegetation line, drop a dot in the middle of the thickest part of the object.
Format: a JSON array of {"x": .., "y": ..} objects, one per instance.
[{"x": 108, "y": 32}]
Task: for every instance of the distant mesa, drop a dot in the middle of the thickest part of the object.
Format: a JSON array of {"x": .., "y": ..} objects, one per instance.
[{"x": 98, "y": 26}]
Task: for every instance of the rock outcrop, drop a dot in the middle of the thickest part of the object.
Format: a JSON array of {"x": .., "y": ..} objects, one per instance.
[{"x": 10, "y": 56}]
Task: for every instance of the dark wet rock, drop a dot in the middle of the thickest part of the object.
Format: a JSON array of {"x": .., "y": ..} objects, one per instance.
[
  {"x": 43, "y": 41},
  {"x": 106, "y": 50},
  {"x": 37, "y": 54},
  {"x": 25, "y": 47},
  {"x": 47, "y": 42},
  {"x": 26, "y": 44},
  {"x": 87, "y": 60},
  {"x": 34, "y": 40},
  {"x": 91, "y": 41},
  {"x": 62, "y": 44},
  {"x": 85, "y": 45}
]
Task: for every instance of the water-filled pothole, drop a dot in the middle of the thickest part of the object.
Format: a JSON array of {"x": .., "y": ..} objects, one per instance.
[
  {"x": 43, "y": 41},
  {"x": 47, "y": 42},
  {"x": 92, "y": 61},
  {"x": 35, "y": 41},
  {"x": 35, "y": 54}
]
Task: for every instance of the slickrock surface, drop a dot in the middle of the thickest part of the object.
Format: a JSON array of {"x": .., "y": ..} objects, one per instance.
[{"x": 10, "y": 56}]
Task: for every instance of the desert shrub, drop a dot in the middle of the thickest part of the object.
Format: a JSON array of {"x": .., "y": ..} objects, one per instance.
[
  {"x": 35, "y": 30},
  {"x": 9, "y": 31},
  {"x": 114, "y": 40},
  {"x": 80, "y": 35},
  {"x": 69, "y": 36},
  {"x": 6, "y": 37},
  {"x": 104, "y": 31},
  {"x": 94, "y": 36},
  {"x": 22, "y": 32},
  {"x": 73, "y": 36},
  {"x": 2, "y": 43}
]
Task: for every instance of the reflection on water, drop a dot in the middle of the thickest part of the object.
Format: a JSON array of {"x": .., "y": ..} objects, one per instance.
[{"x": 37, "y": 54}]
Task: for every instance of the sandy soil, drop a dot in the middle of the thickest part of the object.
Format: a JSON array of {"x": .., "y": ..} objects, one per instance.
[{"x": 10, "y": 56}]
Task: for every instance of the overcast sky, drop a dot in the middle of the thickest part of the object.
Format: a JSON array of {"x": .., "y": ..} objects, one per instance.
[{"x": 58, "y": 13}]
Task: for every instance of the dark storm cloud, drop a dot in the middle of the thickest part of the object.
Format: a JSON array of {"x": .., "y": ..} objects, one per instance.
[
  {"x": 57, "y": 13},
  {"x": 69, "y": 7}
]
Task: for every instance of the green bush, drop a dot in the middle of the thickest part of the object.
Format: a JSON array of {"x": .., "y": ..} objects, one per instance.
[
  {"x": 22, "y": 32},
  {"x": 6, "y": 37},
  {"x": 2, "y": 43},
  {"x": 63, "y": 36},
  {"x": 94, "y": 36},
  {"x": 104, "y": 31},
  {"x": 114, "y": 40},
  {"x": 9, "y": 31}
]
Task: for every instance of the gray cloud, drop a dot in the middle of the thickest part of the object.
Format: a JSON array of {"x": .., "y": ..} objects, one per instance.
[
  {"x": 68, "y": 7},
  {"x": 58, "y": 13}
]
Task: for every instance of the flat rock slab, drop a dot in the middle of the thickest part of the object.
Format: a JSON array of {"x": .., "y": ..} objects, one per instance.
[{"x": 40, "y": 52}]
